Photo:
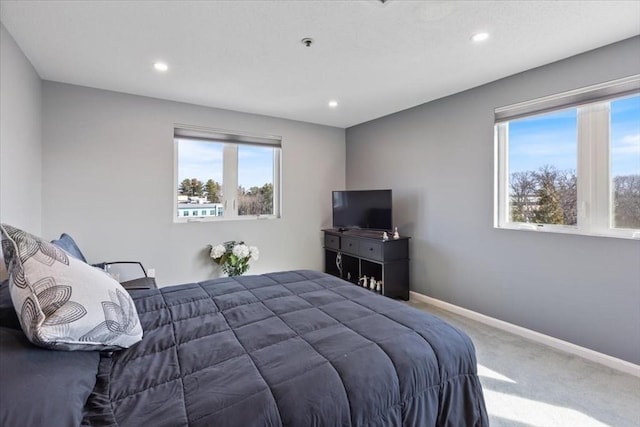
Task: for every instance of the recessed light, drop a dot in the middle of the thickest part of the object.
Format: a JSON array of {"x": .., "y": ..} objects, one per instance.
[
  {"x": 160, "y": 66},
  {"x": 480, "y": 37},
  {"x": 333, "y": 104}
]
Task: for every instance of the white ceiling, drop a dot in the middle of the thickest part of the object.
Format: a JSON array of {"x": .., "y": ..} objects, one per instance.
[{"x": 247, "y": 56}]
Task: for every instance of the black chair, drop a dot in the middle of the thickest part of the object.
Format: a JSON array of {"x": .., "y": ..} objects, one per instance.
[{"x": 130, "y": 274}]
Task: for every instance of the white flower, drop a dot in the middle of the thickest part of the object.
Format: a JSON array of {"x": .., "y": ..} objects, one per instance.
[
  {"x": 217, "y": 251},
  {"x": 241, "y": 251},
  {"x": 254, "y": 252}
]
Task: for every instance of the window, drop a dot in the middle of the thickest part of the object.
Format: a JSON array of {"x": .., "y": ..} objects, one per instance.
[
  {"x": 235, "y": 176},
  {"x": 571, "y": 162},
  {"x": 625, "y": 162}
]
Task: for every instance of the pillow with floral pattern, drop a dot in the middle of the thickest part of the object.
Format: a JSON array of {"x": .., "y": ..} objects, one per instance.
[{"x": 63, "y": 303}]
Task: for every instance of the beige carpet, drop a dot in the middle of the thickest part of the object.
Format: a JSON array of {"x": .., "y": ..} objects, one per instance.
[{"x": 530, "y": 384}]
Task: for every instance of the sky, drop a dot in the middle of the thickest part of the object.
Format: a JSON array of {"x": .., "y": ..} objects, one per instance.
[
  {"x": 551, "y": 139},
  {"x": 203, "y": 160},
  {"x": 625, "y": 136}
]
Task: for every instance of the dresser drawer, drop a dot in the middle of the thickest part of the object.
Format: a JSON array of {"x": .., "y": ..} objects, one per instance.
[
  {"x": 371, "y": 250},
  {"x": 331, "y": 241},
  {"x": 349, "y": 244}
]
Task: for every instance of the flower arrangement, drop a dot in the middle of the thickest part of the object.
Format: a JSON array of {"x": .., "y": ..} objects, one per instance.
[{"x": 234, "y": 257}]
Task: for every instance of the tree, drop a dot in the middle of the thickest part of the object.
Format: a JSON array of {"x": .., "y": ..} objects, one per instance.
[
  {"x": 213, "y": 191},
  {"x": 549, "y": 210},
  {"x": 522, "y": 192},
  {"x": 550, "y": 196},
  {"x": 567, "y": 189},
  {"x": 191, "y": 187},
  {"x": 256, "y": 201},
  {"x": 197, "y": 187},
  {"x": 626, "y": 201},
  {"x": 267, "y": 198},
  {"x": 545, "y": 196},
  {"x": 185, "y": 187}
]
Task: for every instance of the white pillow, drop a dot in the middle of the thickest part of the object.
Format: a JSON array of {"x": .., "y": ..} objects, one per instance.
[{"x": 63, "y": 303}]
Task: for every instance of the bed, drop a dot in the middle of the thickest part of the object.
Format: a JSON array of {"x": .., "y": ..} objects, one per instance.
[{"x": 294, "y": 348}]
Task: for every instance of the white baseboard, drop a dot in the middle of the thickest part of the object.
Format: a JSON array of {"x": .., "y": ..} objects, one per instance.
[{"x": 594, "y": 356}]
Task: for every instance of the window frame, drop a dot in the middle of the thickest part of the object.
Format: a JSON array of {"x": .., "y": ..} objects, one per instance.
[
  {"x": 231, "y": 141},
  {"x": 594, "y": 180}
]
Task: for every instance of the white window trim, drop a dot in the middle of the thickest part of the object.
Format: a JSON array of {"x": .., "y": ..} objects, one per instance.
[
  {"x": 594, "y": 214},
  {"x": 593, "y": 166},
  {"x": 230, "y": 181},
  {"x": 231, "y": 186}
]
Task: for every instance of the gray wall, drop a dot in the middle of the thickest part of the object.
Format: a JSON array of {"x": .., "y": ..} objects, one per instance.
[
  {"x": 108, "y": 161},
  {"x": 20, "y": 138},
  {"x": 438, "y": 159}
]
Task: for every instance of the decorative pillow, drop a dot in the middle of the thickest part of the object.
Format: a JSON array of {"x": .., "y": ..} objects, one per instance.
[
  {"x": 42, "y": 387},
  {"x": 68, "y": 244},
  {"x": 63, "y": 303}
]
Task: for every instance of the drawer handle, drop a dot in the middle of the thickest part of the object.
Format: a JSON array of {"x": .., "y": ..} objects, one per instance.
[{"x": 370, "y": 249}]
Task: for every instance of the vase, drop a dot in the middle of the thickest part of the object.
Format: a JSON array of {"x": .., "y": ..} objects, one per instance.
[{"x": 237, "y": 270}]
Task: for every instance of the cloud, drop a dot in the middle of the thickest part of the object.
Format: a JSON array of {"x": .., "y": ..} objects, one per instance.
[
  {"x": 200, "y": 159},
  {"x": 625, "y": 155},
  {"x": 628, "y": 144},
  {"x": 631, "y": 139},
  {"x": 529, "y": 152}
]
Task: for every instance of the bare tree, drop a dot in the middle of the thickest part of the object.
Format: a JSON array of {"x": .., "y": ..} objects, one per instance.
[
  {"x": 522, "y": 192},
  {"x": 567, "y": 189},
  {"x": 256, "y": 201},
  {"x": 626, "y": 201}
]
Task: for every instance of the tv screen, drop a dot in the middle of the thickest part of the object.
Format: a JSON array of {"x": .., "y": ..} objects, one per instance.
[{"x": 370, "y": 209}]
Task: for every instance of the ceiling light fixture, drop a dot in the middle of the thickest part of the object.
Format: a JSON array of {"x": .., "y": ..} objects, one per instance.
[
  {"x": 333, "y": 104},
  {"x": 160, "y": 66},
  {"x": 480, "y": 37}
]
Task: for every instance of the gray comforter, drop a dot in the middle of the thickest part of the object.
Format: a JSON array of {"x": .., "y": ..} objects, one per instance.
[{"x": 297, "y": 348}]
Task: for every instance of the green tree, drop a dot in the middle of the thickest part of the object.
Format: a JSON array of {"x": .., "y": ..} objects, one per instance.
[
  {"x": 549, "y": 210},
  {"x": 213, "y": 191},
  {"x": 185, "y": 187},
  {"x": 267, "y": 198},
  {"x": 197, "y": 187},
  {"x": 191, "y": 187},
  {"x": 550, "y": 195}
]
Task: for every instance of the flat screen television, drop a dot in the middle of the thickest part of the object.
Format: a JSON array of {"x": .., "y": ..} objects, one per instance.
[{"x": 362, "y": 209}]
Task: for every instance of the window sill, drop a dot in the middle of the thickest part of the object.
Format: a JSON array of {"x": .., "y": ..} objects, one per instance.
[
  {"x": 558, "y": 229},
  {"x": 182, "y": 220}
]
